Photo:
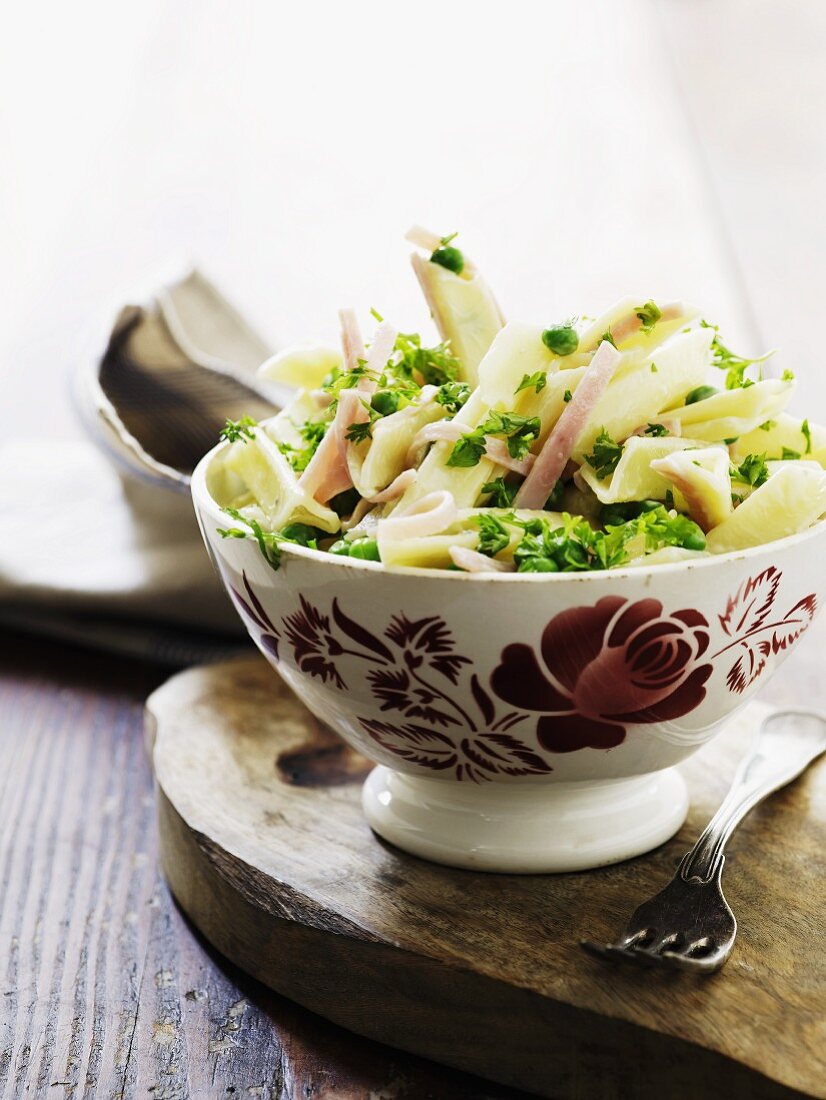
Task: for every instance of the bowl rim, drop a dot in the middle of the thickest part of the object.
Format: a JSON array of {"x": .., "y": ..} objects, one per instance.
[{"x": 206, "y": 503}]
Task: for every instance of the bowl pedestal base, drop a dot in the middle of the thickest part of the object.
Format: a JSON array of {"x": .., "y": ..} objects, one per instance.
[{"x": 524, "y": 828}]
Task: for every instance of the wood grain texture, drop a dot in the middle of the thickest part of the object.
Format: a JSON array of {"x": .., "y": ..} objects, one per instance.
[
  {"x": 107, "y": 991},
  {"x": 483, "y": 971}
]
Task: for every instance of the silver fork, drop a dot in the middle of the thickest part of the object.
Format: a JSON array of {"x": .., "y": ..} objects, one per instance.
[{"x": 689, "y": 925}]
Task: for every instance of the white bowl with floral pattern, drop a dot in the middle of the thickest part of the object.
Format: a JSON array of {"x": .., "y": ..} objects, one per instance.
[{"x": 522, "y": 722}]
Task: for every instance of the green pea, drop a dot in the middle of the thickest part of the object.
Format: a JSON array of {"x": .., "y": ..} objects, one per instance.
[
  {"x": 561, "y": 339},
  {"x": 695, "y": 540},
  {"x": 385, "y": 403},
  {"x": 538, "y": 565},
  {"x": 613, "y": 515},
  {"x": 700, "y": 394},
  {"x": 449, "y": 257},
  {"x": 366, "y": 549},
  {"x": 301, "y": 533}
]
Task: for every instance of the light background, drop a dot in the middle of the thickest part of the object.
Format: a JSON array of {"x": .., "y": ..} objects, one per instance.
[{"x": 585, "y": 150}]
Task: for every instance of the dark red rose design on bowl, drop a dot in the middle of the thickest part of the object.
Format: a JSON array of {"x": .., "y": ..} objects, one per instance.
[{"x": 606, "y": 667}]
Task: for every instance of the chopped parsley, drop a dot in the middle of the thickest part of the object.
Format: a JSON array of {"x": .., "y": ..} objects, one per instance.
[
  {"x": 537, "y": 382},
  {"x": 501, "y": 494},
  {"x": 606, "y": 454},
  {"x": 648, "y": 315},
  {"x": 789, "y": 455},
  {"x": 519, "y": 432},
  {"x": 561, "y": 339},
  {"x": 566, "y": 397},
  {"x": 787, "y": 375},
  {"x": 576, "y": 547},
  {"x": 302, "y": 534},
  {"x": 493, "y": 535},
  {"x": 767, "y": 425},
  {"x": 734, "y": 365},
  {"x": 269, "y": 542},
  {"x": 613, "y": 515},
  {"x": 700, "y": 393},
  {"x": 338, "y": 379},
  {"x": 238, "y": 430},
  {"x": 654, "y": 369},
  {"x": 434, "y": 365},
  {"x": 607, "y": 336},
  {"x": 752, "y": 470},
  {"x": 806, "y": 432},
  {"x": 453, "y": 395},
  {"x": 363, "y": 429},
  {"x": 656, "y": 430},
  {"x": 312, "y": 432},
  {"x": 468, "y": 450}
]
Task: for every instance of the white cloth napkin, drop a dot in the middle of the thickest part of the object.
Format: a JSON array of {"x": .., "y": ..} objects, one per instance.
[
  {"x": 90, "y": 558},
  {"x": 101, "y": 559}
]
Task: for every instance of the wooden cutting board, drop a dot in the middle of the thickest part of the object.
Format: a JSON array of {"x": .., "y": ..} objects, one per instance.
[{"x": 265, "y": 848}]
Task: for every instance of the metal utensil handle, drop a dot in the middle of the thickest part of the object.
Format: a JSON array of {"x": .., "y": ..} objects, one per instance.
[{"x": 783, "y": 747}]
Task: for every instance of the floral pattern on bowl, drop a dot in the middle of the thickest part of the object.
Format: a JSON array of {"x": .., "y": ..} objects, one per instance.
[{"x": 599, "y": 671}]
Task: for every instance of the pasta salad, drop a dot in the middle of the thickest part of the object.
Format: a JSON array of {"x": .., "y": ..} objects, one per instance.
[{"x": 634, "y": 437}]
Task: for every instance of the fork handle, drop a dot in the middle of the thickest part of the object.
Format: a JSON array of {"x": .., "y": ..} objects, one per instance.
[{"x": 783, "y": 747}]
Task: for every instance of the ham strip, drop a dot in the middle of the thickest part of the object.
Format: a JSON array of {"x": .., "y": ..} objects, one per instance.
[
  {"x": 351, "y": 410},
  {"x": 438, "y": 432},
  {"x": 352, "y": 344},
  {"x": 362, "y": 509},
  {"x": 327, "y": 472},
  {"x": 560, "y": 444},
  {"x": 474, "y": 562},
  {"x": 381, "y": 349},
  {"x": 428, "y": 516},
  {"x": 497, "y": 451},
  {"x": 396, "y": 488}
]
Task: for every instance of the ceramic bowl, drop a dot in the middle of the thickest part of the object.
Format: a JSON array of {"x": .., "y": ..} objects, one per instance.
[{"x": 521, "y": 723}]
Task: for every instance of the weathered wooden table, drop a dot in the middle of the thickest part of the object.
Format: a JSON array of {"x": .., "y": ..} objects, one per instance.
[{"x": 106, "y": 990}]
